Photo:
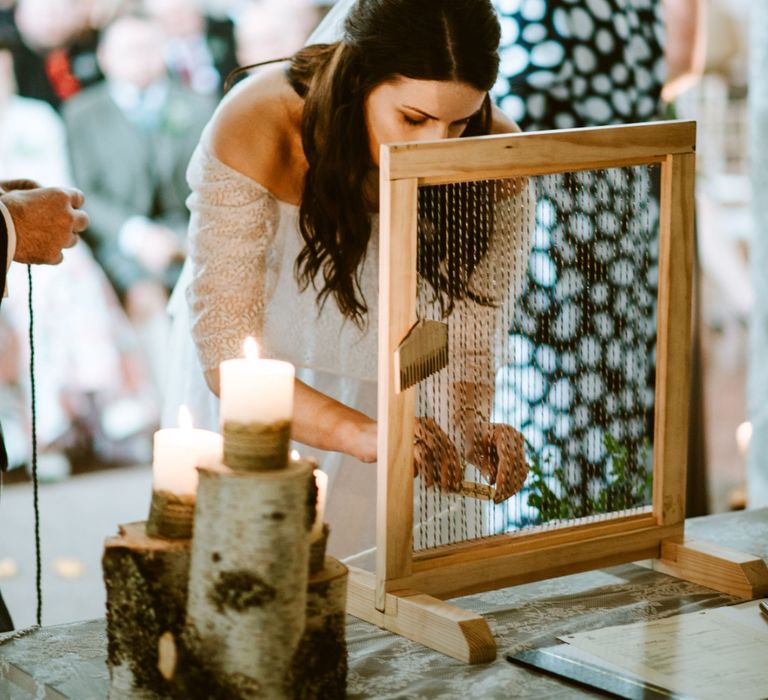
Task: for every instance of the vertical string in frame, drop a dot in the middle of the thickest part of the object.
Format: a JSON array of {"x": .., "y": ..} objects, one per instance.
[
  {"x": 437, "y": 195},
  {"x": 505, "y": 232},
  {"x": 422, "y": 227},
  {"x": 650, "y": 334},
  {"x": 565, "y": 208},
  {"x": 647, "y": 338},
  {"x": 488, "y": 193},
  {"x": 520, "y": 250},
  {"x": 587, "y": 381},
  {"x": 475, "y": 192},
  {"x": 622, "y": 346},
  {"x": 443, "y": 259},
  {"x": 605, "y": 235},
  {"x": 461, "y": 262},
  {"x": 588, "y": 205},
  {"x": 638, "y": 276},
  {"x": 35, "y": 482}
]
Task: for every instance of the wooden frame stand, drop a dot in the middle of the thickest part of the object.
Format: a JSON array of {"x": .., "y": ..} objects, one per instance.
[{"x": 405, "y": 593}]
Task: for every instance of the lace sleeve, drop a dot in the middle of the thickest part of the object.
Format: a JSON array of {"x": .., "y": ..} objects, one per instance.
[{"x": 232, "y": 227}]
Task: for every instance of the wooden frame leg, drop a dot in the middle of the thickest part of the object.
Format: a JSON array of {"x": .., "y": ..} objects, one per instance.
[
  {"x": 725, "y": 570},
  {"x": 462, "y": 635}
]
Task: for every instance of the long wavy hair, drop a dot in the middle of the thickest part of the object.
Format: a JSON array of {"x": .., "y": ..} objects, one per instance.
[{"x": 454, "y": 40}]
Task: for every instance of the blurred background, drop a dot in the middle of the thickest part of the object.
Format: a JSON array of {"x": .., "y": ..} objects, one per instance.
[{"x": 111, "y": 96}]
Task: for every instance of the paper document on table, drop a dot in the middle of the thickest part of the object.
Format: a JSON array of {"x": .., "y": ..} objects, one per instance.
[{"x": 710, "y": 654}]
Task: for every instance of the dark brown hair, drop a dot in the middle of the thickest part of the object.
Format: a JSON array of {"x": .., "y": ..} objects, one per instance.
[{"x": 383, "y": 39}]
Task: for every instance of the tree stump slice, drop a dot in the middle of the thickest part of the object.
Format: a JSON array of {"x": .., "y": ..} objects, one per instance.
[
  {"x": 320, "y": 663},
  {"x": 248, "y": 577},
  {"x": 146, "y": 581}
]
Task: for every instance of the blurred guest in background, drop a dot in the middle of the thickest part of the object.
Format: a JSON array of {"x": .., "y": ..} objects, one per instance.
[
  {"x": 269, "y": 29},
  {"x": 56, "y": 56},
  {"x": 92, "y": 389},
  {"x": 199, "y": 49},
  {"x": 130, "y": 140}
]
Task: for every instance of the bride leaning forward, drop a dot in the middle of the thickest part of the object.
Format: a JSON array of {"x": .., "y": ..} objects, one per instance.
[{"x": 285, "y": 186}]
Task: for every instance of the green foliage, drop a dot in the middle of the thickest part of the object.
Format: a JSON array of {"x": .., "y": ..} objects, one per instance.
[{"x": 627, "y": 484}]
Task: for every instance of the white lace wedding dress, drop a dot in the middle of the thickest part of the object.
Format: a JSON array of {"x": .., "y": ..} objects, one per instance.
[{"x": 239, "y": 281}]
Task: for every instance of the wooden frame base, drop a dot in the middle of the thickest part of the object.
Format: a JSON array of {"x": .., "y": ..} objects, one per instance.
[
  {"x": 446, "y": 628},
  {"x": 466, "y": 636},
  {"x": 720, "y": 568}
]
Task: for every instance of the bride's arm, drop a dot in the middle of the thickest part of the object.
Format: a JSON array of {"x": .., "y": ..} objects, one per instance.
[{"x": 322, "y": 422}]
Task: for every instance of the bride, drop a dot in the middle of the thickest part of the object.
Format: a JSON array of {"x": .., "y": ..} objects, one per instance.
[{"x": 283, "y": 234}]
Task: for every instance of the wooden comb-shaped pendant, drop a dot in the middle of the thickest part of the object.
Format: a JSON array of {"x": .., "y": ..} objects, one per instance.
[{"x": 422, "y": 352}]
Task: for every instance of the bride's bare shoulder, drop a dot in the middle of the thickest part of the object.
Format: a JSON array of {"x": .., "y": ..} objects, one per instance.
[{"x": 256, "y": 131}]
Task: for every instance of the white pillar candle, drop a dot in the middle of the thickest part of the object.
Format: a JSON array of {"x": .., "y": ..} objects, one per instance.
[
  {"x": 179, "y": 451},
  {"x": 255, "y": 390}
]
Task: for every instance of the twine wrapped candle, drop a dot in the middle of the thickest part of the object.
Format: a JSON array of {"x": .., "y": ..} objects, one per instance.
[
  {"x": 177, "y": 454},
  {"x": 256, "y": 411}
]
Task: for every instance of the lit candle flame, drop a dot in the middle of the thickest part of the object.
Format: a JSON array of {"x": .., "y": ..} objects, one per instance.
[
  {"x": 185, "y": 418},
  {"x": 251, "y": 348},
  {"x": 295, "y": 456},
  {"x": 744, "y": 437}
]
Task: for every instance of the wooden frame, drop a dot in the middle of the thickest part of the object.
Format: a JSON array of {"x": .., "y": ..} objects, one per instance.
[{"x": 403, "y": 595}]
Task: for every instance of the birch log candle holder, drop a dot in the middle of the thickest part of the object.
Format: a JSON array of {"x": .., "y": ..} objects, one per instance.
[
  {"x": 147, "y": 564},
  {"x": 146, "y": 582},
  {"x": 320, "y": 663},
  {"x": 248, "y": 576}
]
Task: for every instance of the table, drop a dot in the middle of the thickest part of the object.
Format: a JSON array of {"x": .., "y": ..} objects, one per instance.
[{"x": 69, "y": 661}]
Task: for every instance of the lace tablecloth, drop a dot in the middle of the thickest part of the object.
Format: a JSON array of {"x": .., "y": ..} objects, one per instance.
[{"x": 69, "y": 661}]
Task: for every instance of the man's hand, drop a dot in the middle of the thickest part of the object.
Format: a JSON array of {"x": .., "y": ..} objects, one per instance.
[
  {"x": 46, "y": 219},
  {"x": 19, "y": 184}
]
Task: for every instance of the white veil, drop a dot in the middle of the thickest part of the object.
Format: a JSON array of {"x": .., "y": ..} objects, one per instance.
[{"x": 331, "y": 29}]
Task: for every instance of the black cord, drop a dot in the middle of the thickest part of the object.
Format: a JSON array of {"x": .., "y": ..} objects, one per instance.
[{"x": 35, "y": 494}]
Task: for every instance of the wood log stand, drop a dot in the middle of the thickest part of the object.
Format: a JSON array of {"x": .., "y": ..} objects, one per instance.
[
  {"x": 319, "y": 667},
  {"x": 248, "y": 577},
  {"x": 254, "y": 624},
  {"x": 146, "y": 581}
]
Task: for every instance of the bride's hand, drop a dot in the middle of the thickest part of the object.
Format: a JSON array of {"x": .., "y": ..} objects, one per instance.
[
  {"x": 498, "y": 451},
  {"x": 435, "y": 457}
]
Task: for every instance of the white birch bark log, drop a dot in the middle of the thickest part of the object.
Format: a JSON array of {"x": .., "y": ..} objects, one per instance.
[
  {"x": 146, "y": 582},
  {"x": 320, "y": 663},
  {"x": 248, "y": 577}
]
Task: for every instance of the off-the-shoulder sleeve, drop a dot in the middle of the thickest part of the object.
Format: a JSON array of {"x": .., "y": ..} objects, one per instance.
[{"x": 232, "y": 226}]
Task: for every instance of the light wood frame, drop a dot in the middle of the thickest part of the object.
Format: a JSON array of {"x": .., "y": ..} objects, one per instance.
[{"x": 404, "y": 594}]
